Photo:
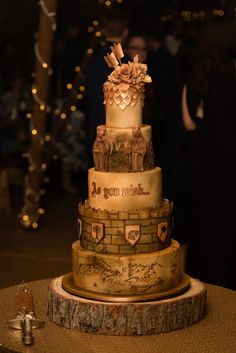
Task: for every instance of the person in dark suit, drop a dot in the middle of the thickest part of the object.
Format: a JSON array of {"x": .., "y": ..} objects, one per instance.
[{"x": 209, "y": 112}]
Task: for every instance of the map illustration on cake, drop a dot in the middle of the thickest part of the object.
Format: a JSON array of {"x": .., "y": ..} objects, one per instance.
[{"x": 125, "y": 251}]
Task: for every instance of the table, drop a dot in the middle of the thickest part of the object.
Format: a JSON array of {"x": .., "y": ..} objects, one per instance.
[{"x": 216, "y": 333}]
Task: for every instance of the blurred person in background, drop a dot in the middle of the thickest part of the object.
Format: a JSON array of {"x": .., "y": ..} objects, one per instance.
[
  {"x": 14, "y": 127},
  {"x": 209, "y": 111}
]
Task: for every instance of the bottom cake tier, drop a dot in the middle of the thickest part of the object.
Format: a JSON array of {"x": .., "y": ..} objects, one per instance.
[{"x": 126, "y": 275}]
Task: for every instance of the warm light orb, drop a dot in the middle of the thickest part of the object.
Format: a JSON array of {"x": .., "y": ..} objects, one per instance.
[
  {"x": 47, "y": 138},
  {"x": 90, "y": 29},
  {"x": 34, "y": 132},
  {"x": 43, "y": 166},
  {"x": 79, "y": 96},
  {"x": 73, "y": 108},
  {"x": 35, "y": 225},
  {"x": 28, "y": 115},
  {"x": 98, "y": 34},
  {"x": 77, "y": 68},
  {"x": 82, "y": 88},
  {"x": 44, "y": 65},
  {"x": 42, "y": 107},
  {"x": 41, "y": 211},
  {"x": 90, "y": 51},
  {"x": 63, "y": 116},
  {"x": 108, "y": 3},
  {"x": 69, "y": 86},
  {"x": 46, "y": 179},
  {"x": 95, "y": 23},
  {"x": 25, "y": 218},
  {"x": 34, "y": 90}
]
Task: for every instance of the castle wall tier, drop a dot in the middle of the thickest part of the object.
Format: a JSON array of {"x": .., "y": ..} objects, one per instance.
[
  {"x": 129, "y": 117},
  {"x": 125, "y": 191},
  {"x": 125, "y": 232},
  {"x": 124, "y": 275}
]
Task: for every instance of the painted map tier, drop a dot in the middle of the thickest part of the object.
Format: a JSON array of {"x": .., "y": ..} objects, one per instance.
[
  {"x": 125, "y": 232},
  {"x": 124, "y": 275},
  {"x": 125, "y": 191}
]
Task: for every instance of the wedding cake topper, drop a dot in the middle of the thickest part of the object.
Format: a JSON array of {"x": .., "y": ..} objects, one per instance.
[{"x": 125, "y": 85}]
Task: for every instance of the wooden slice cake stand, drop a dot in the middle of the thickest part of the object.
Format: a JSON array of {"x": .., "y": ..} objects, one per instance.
[{"x": 144, "y": 314}]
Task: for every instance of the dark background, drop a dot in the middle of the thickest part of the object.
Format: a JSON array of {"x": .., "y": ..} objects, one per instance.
[{"x": 19, "y": 19}]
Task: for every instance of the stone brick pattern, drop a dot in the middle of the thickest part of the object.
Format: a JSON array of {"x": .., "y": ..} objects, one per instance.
[{"x": 114, "y": 222}]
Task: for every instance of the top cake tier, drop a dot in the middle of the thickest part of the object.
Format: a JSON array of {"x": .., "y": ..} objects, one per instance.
[{"x": 124, "y": 90}]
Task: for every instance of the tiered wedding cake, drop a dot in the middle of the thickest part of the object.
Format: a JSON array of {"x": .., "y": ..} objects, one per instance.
[
  {"x": 126, "y": 277},
  {"x": 125, "y": 246}
]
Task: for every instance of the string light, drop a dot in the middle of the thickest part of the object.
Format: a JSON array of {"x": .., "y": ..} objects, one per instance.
[
  {"x": 50, "y": 15},
  {"x": 194, "y": 15},
  {"x": 25, "y": 218},
  {"x": 41, "y": 211},
  {"x": 69, "y": 86},
  {"x": 40, "y": 59},
  {"x": 82, "y": 88},
  {"x": 98, "y": 34},
  {"x": 95, "y": 23},
  {"x": 35, "y": 225},
  {"x": 63, "y": 116},
  {"x": 29, "y": 219},
  {"x": 80, "y": 96},
  {"x": 73, "y": 108},
  {"x": 42, "y": 105},
  {"x": 47, "y": 179},
  {"x": 108, "y": 3},
  {"x": 90, "y": 51},
  {"x": 47, "y": 138},
  {"x": 77, "y": 68}
]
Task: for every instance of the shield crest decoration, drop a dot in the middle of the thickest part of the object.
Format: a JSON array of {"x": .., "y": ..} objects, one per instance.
[
  {"x": 132, "y": 234},
  {"x": 162, "y": 231},
  {"x": 97, "y": 231}
]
